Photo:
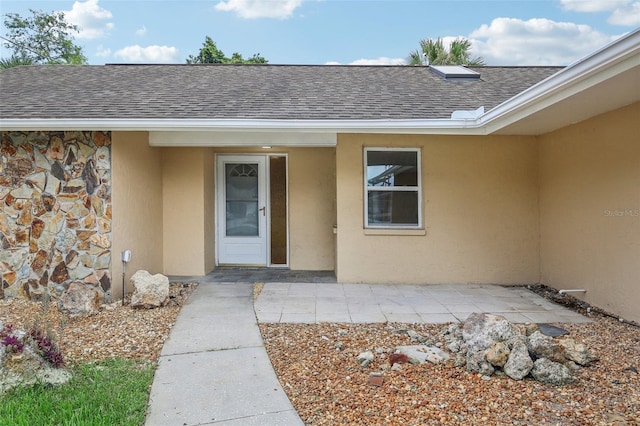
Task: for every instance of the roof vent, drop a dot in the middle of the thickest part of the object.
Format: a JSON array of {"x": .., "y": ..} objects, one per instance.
[{"x": 454, "y": 72}]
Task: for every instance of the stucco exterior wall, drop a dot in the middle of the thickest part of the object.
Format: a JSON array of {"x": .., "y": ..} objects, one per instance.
[
  {"x": 480, "y": 211},
  {"x": 137, "y": 206},
  {"x": 184, "y": 210},
  {"x": 590, "y": 210},
  {"x": 312, "y": 208}
]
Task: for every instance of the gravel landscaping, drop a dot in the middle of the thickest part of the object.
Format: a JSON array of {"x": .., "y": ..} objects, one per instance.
[{"x": 317, "y": 367}]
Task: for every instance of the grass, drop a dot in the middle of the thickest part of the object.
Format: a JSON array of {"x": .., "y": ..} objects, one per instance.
[{"x": 109, "y": 393}]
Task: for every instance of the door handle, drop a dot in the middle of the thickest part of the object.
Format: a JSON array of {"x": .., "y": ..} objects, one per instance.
[{"x": 263, "y": 210}]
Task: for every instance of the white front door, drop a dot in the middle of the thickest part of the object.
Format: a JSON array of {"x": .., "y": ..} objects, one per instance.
[{"x": 242, "y": 210}]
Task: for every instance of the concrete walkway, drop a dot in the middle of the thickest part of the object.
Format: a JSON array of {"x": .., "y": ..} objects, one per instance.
[{"x": 214, "y": 368}]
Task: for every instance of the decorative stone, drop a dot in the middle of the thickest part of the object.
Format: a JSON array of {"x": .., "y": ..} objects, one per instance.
[
  {"x": 519, "y": 363},
  {"x": 84, "y": 234},
  {"x": 25, "y": 215},
  {"x": 46, "y": 193},
  {"x": 365, "y": 358},
  {"x": 39, "y": 180},
  {"x": 419, "y": 354},
  {"x": 24, "y": 191},
  {"x": 56, "y": 149},
  {"x": 100, "y": 240},
  {"x": 498, "y": 354},
  {"x": 480, "y": 332},
  {"x": 53, "y": 185},
  {"x": 80, "y": 299},
  {"x": 149, "y": 291},
  {"x": 103, "y": 158},
  {"x": 41, "y": 161},
  {"x": 542, "y": 346},
  {"x": 577, "y": 352},
  {"x": 60, "y": 273},
  {"x": 547, "y": 371}
]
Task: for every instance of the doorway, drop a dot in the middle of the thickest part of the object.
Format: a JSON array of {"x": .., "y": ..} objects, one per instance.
[{"x": 252, "y": 223}]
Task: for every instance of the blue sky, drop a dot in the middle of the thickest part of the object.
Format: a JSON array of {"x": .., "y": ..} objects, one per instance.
[{"x": 516, "y": 32}]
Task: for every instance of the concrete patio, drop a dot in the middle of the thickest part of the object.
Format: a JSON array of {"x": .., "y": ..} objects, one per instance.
[{"x": 293, "y": 302}]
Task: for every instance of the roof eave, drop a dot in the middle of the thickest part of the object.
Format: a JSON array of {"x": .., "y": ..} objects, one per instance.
[
  {"x": 613, "y": 59},
  {"x": 429, "y": 126}
]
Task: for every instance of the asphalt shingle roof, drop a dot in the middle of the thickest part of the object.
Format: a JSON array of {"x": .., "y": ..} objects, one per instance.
[{"x": 300, "y": 92}]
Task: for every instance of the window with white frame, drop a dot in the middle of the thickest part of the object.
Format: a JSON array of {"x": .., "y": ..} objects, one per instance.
[{"x": 392, "y": 188}]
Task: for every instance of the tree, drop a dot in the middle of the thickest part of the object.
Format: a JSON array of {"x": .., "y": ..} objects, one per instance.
[
  {"x": 43, "y": 38},
  {"x": 210, "y": 54},
  {"x": 435, "y": 53}
]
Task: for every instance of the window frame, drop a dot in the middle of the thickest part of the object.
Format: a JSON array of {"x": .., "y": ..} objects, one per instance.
[{"x": 417, "y": 189}]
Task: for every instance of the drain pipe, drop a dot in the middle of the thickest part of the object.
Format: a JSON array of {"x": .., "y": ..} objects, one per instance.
[
  {"x": 126, "y": 258},
  {"x": 573, "y": 290}
]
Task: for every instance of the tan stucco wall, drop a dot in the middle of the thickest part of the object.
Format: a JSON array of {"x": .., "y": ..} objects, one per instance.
[
  {"x": 480, "y": 210},
  {"x": 137, "y": 206},
  {"x": 312, "y": 208},
  {"x": 187, "y": 207},
  {"x": 590, "y": 210}
]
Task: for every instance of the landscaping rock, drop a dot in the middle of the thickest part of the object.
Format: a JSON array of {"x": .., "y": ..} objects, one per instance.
[
  {"x": 480, "y": 332},
  {"x": 80, "y": 299},
  {"x": 547, "y": 371},
  {"x": 419, "y": 354},
  {"x": 577, "y": 352},
  {"x": 498, "y": 354},
  {"x": 541, "y": 346},
  {"x": 150, "y": 291},
  {"x": 519, "y": 363},
  {"x": 365, "y": 358},
  {"x": 23, "y": 366}
]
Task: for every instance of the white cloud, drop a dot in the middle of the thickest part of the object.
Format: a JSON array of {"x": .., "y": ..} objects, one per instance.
[
  {"x": 91, "y": 19},
  {"x": 251, "y": 9},
  {"x": 141, "y": 31},
  {"x": 149, "y": 54},
  {"x": 628, "y": 16},
  {"x": 510, "y": 41},
  {"x": 623, "y": 12},
  {"x": 103, "y": 52},
  {"x": 379, "y": 61}
]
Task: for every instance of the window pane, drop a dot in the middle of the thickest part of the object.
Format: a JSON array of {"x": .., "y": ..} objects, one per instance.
[
  {"x": 392, "y": 168},
  {"x": 242, "y": 200},
  {"x": 393, "y": 208}
]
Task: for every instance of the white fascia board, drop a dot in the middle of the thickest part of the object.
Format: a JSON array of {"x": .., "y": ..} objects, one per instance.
[
  {"x": 440, "y": 126},
  {"x": 613, "y": 59}
]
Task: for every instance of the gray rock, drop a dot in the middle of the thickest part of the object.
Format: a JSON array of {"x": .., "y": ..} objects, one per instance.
[
  {"x": 541, "y": 346},
  {"x": 149, "y": 291},
  {"x": 419, "y": 354},
  {"x": 80, "y": 299},
  {"x": 365, "y": 358},
  {"x": 547, "y": 371},
  {"x": 577, "y": 352},
  {"x": 519, "y": 363},
  {"x": 480, "y": 332}
]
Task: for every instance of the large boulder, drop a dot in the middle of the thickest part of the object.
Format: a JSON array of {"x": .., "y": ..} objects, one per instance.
[
  {"x": 481, "y": 331},
  {"x": 80, "y": 299},
  {"x": 25, "y": 366},
  {"x": 149, "y": 291}
]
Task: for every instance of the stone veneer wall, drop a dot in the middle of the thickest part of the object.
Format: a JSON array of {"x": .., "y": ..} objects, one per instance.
[{"x": 55, "y": 212}]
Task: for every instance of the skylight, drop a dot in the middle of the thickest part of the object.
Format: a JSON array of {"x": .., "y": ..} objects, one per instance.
[{"x": 454, "y": 72}]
